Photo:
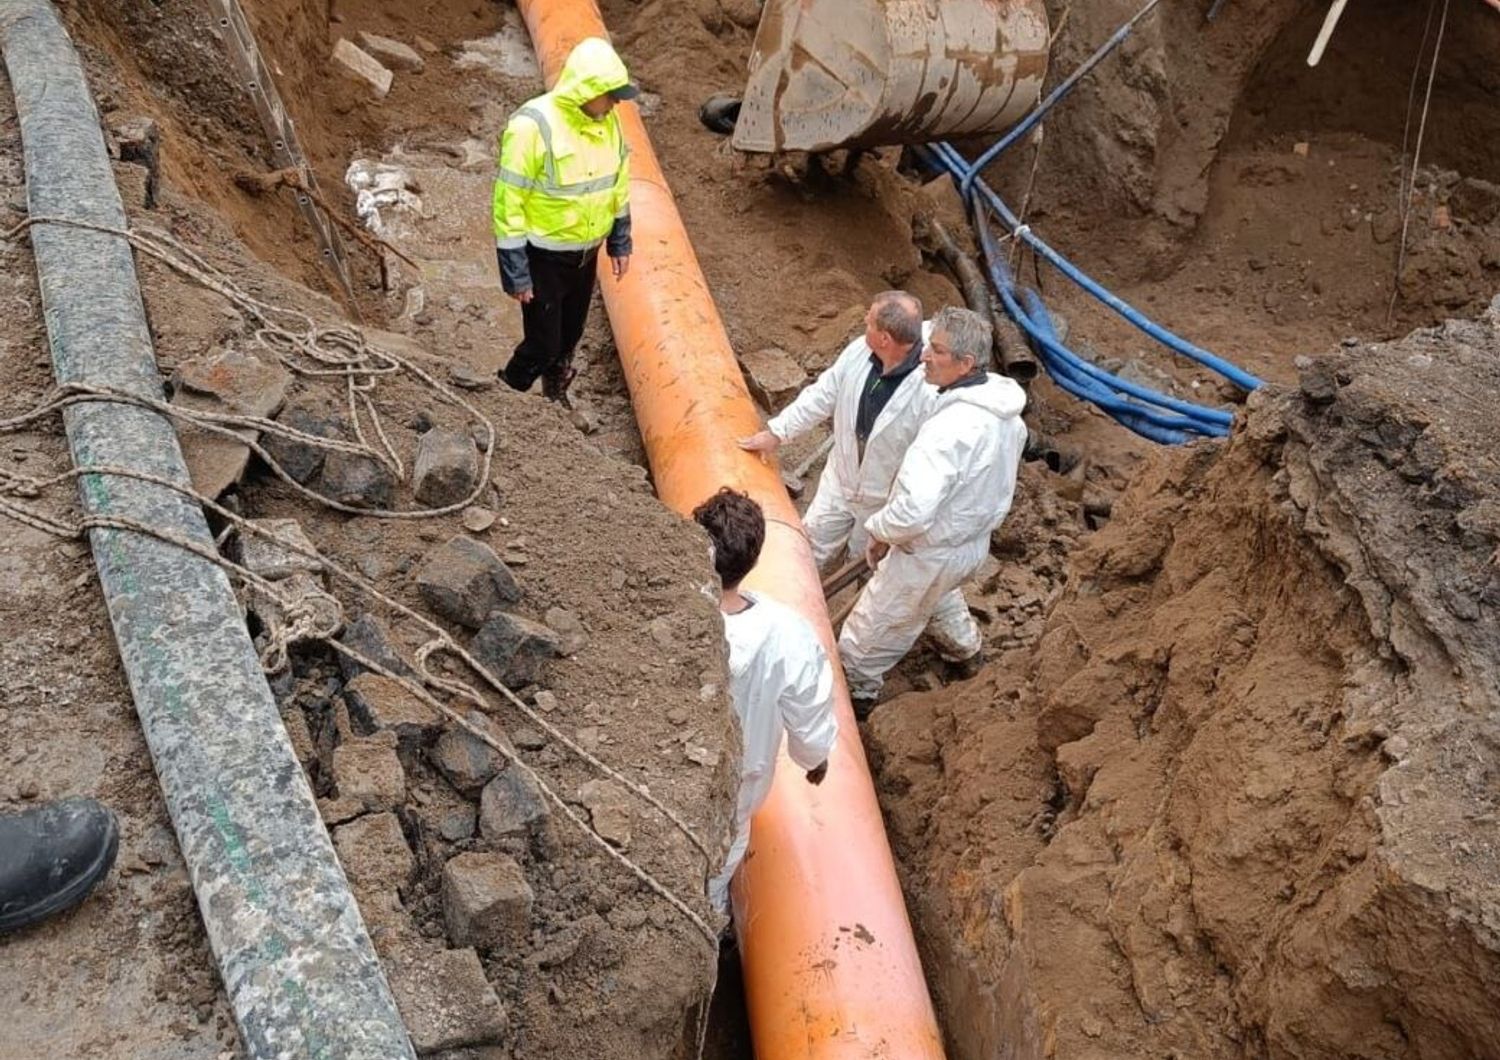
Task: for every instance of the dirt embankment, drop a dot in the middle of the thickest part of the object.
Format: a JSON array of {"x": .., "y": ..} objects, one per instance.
[
  {"x": 593, "y": 963},
  {"x": 1241, "y": 800}
]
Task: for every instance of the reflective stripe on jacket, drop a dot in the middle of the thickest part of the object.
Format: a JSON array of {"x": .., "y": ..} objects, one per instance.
[{"x": 564, "y": 177}]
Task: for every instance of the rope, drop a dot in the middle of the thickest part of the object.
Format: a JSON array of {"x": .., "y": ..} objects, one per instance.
[
  {"x": 1409, "y": 188},
  {"x": 329, "y": 352}
]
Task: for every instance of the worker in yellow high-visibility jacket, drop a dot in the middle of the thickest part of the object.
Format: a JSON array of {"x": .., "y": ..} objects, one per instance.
[{"x": 561, "y": 192}]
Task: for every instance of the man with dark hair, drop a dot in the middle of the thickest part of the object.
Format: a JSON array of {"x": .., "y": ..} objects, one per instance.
[
  {"x": 780, "y": 679},
  {"x": 878, "y": 399},
  {"x": 953, "y": 489}
]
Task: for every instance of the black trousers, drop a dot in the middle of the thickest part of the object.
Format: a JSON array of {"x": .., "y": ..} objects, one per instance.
[{"x": 562, "y": 284}]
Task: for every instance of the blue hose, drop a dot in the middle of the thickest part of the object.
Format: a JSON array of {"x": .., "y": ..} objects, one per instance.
[
  {"x": 1151, "y": 414},
  {"x": 1088, "y": 381}
]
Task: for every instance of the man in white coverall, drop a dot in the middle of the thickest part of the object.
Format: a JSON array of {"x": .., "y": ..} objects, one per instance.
[
  {"x": 878, "y": 398},
  {"x": 953, "y": 488},
  {"x": 780, "y": 679}
]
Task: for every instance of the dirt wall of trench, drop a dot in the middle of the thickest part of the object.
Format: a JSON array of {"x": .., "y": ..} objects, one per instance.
[{"x": 1240, "y": 800}]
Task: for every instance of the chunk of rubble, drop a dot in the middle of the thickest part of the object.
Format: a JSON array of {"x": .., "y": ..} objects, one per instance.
[
  {"x": 378, "y": 703},
  {"x": 486, "y": 901},
  {"x": 511, "y": 804},
  {"x": 773, "y": 376},
  {"x": 225, "y": 382},
  {"x": 468, "y": 762},
  {"x": 271, "y": 559},
  {"x": 374, "y": 853},
  {"x": 351, "y": 60},
  {"x": 368, "y": 636},
  {"x": 465, "y": 582},
  {"x": 357, "y": 481},
  {"x": 368, "y": 772},
  {"x": 391, "y": 53},
  {"x": 446, "y": 468},
  {"x": 609, "y": 811},
  {"x": 445, "y": 1000},
  {"x": 300, "y": 460},
  {"x": 514, "y": 649}
]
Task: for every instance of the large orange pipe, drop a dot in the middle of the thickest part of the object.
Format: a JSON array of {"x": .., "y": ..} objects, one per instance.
[{"x": 831, "y": 968}]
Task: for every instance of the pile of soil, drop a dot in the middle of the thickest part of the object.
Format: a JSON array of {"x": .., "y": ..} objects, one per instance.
[
  {"x": 1240, "y": 799},
  {"x": 606, "y": 967}
]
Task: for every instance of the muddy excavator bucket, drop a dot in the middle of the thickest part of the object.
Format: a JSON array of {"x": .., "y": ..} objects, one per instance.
[{"x": 861, "y": 73}]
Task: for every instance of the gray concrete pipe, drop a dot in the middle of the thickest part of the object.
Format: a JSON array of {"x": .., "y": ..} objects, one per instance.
[{"x": 294, "y": 955}]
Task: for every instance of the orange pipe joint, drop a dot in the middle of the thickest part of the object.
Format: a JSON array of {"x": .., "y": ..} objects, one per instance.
[{"x": 831, "y": 966}]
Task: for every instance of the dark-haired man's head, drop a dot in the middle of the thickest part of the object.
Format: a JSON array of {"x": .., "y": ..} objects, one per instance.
[{"x": 737, "y": 529}]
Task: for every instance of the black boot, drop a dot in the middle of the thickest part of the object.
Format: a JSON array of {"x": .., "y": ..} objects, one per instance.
[
  {"x": 51, "y": 857},
  {"x": 555, "y": 385}
]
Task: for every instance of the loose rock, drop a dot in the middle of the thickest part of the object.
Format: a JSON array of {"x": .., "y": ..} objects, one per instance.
[
  {"x": 465, "y": 582},
  {"x": 466, "y": 761},
  {"x": 486, "y": 901},
  {"x": 271, "y": 560},
  {"x": 510, "y": 805},
  {"x": 446, "y": 469},
  {"x": 229, "y": 381},
  {"x": 446, "y": 1002},
  {"x": 571, "y": 636},
  {"x": 374, "y": 853},
  {"x": 369, "y": 772},
  {"x": 773, "y": 376},
  {"x": 378, "y": 703},
  {"x": 357, "y": 481},
  {"x": 300, "y": 460},
  {"x": 391, "y": 53},
  {"x": 609, "y": 810},
  {"x": 367, "y": 635},
  {"x": 514, "y": 649},
  {"x": 362, "y": 67}
]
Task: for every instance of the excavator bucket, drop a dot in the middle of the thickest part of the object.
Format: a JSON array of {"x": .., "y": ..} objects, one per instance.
[{"x": 861, "y": 73}]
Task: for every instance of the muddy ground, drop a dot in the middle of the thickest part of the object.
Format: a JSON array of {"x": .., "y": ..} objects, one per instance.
[{"x": 1220, "y": 792}]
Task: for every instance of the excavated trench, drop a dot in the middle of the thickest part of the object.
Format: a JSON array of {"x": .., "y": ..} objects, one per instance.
[{"x": 1228, "y": 787}]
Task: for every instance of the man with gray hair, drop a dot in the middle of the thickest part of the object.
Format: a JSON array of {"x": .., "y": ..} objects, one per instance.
[
  {"x": 953, "y": 489},
  {"x": 878, "y": 399}
]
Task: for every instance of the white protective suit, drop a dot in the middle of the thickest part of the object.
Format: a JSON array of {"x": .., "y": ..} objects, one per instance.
[
  {"x": 953, "y": 489},
  {"x": 780, "y": 681},
  {"x": 850, "y": 490}
]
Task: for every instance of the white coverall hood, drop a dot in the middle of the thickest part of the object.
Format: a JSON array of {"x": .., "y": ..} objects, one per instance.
[
  {"x": 850, "y": 489},
  {"x": 780, "y": 682}
]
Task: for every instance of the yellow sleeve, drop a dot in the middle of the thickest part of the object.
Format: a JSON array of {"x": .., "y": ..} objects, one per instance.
[{"x": 519, "y": 174}]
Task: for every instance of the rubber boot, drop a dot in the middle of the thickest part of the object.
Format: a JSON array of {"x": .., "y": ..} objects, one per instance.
[
  {"x": 555, "y": 385},
  {"x": 51, "y": 858}
]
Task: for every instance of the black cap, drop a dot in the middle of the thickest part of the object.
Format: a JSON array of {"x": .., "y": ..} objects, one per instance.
[{"x": 625, "y": 92}]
